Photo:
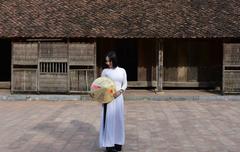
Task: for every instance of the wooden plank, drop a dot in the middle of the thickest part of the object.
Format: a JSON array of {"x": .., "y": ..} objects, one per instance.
[
  {"x": 5, "y": 85},
  {"x": 170, "y": 60},
  {"x": 53, "y": 82},
  {"x": 231, "y": 54},
  {"x": 190, "y": 84},
  {"x": 142, "y": 83},
  {"x": 171, "y": 84},
  {"x": 192, "y": 60},
  {"x": 146, "y": 68},
  {"x": 53, "y": 50},
  {"x": 182, "y": 61},
  {"x": 231, "y": 81},
  {"x": 52, "y": 65},
  {"x": 81, "y": 79},
  {"x": 81, "y": 54},
  {"x": 141, "y": 74},
  {"x": 24, "y": 53},
  {"x": 24, "y": 80},
  {"x": 231, "y": 68},
  {"x": 193, "y": 55}
]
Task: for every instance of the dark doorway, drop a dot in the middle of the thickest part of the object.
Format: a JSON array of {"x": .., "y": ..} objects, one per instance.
[
  {"x": 127, "y": 57},
  {"x": 5, "y": 60},
  {"x": 126, "y": 50}
]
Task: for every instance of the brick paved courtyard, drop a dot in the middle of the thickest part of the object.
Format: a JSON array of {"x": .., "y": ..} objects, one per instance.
[{"x": 164, "y": 126}]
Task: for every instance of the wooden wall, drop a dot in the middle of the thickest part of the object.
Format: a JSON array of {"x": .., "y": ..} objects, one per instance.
[
  {"x": 53, "y": 67},
  {"x": 192, "y": 63},
  {"x": 231, "y": 68},
  {"x": 187, "y": 62},
  {"x": 146, "y": 60}
]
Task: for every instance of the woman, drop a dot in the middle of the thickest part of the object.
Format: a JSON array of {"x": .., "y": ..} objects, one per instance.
[{"x": 112, "y": 130}]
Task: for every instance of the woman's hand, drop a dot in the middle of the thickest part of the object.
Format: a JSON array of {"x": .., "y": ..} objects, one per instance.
[{"x": 118, "y": 93}]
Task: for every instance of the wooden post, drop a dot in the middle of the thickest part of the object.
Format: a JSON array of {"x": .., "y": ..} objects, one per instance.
[
  {"x": 12, "y": 59},
  {"x": 159, "y": 50}
]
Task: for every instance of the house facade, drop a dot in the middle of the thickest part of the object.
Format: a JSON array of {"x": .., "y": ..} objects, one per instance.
[{"x": 59, "y": 46}]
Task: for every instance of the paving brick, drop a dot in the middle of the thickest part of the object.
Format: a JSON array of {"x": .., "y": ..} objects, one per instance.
[{"x": 168, "y": 126}]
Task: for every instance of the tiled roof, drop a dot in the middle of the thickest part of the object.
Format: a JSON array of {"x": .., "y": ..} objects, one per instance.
[{"x": 120, "y": 18}]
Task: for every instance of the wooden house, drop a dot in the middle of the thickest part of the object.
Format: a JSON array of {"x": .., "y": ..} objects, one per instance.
[{"x": 59, "y": 46}]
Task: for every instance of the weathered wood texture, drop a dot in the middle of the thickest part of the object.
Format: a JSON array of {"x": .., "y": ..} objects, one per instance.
[
  {"x": 53, "y": 82},
  {"x": 24, "y": 80},
  {"x": 231, "y": 81},
  {"x": 25, "y": 54},
  {"x": 192, "y": 61},
  {"x": 53, "y": 77},
  {"x": 24, "y": 67},
  {"x": 53, "y": 69},
  {"x": 146, "y": 60},
  {"x": 81, "y": 79},
  {"x": 231, "y": 54},
  {"x": 231, "y": 68},
  {"x": 83, "y": 54},
  {"x": 5, "y": 85},
  {"x": 50, "y": 66},
  {"x": 53, "y": 50}
]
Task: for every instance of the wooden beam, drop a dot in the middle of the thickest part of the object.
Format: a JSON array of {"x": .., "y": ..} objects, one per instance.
[
  {"x": 173, "y": 84},
  {"x": 190, "y": 84},
  {"x": 142, "y": 83},
  {"x": 5, "y": 85}
]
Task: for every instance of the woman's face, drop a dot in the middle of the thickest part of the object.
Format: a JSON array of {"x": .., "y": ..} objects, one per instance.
[{"x": 108, "y": 62}]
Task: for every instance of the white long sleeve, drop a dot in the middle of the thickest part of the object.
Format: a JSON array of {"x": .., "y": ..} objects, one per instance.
[{"x": 124, "y": 83}]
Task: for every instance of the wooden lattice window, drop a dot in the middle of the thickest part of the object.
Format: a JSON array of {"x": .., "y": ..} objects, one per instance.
[{"x": 53, "y": 67}]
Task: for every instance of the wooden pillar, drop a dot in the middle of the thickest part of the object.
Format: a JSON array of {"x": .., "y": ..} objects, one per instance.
[{"x": 159, "y": 72}]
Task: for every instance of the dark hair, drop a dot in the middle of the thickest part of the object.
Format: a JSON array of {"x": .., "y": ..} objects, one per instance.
[{"x": 112, "y": 57}]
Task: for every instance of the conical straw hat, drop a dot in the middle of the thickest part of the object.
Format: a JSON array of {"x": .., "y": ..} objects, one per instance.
[{"x": 102, "y": 90}]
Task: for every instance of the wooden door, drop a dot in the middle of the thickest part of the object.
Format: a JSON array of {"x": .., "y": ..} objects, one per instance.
[{"x": 192, "y": 63}]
